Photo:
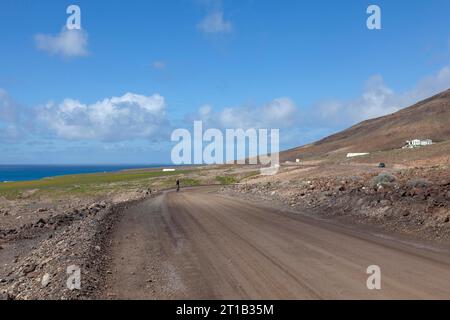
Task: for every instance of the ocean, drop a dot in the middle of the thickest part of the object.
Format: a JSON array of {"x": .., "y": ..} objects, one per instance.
[{"x": 36, "y": 172}]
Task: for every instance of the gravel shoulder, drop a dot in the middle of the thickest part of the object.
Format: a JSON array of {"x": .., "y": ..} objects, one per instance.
[
  {"x": 413, "y": 201},
  {"x": 38, "y": 259}
]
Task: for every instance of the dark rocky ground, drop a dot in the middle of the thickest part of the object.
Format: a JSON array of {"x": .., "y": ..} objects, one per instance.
[{"x": 35, "y": 256}]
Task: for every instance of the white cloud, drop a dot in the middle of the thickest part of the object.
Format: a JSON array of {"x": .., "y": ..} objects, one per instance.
[
  {"x": 378, "y": 100},
  {"x": 133, "y": 116},
  {"x": 68, "y": 43},
  {"x": 429, "y": 86},
  {"x": 129, "y": 117},
  {"x": 279, "y": 113},
  {"x": 214, "y": 23},
  {"x": 324, "y": 118}
]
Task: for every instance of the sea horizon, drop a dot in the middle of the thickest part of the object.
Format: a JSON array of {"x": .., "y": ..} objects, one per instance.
[{"x": 25, "y": 172}]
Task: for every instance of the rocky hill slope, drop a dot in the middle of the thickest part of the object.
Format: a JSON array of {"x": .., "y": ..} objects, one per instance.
[{"x": 429, "y": 118}]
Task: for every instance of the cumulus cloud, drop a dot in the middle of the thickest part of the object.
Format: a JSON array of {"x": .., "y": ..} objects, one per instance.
[
  {"x": 429, "y": 86},
  {"x": 279, "y": 113},
  {"x": 128, "y": 117},
  {"x": 135, "y": 117},
  {"x": 214, "y": 23},
  {"x": 299, "y": 126},
  {"x": 68, "y": 43},
  {"x": 378, "y": 100},
  {"x": 326, "y": 117}
]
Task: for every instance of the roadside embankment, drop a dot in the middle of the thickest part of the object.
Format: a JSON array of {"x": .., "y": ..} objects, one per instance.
[
  {"x": 47, "y": 259},
  {"x": 412, "y": 201}
]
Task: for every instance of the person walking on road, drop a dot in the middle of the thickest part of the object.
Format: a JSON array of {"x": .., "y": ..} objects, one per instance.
[{"x": 178, "y": 185}]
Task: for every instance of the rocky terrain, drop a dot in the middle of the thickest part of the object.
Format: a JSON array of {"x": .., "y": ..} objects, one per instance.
[
  {"x": 38, "y": 258},
  {"x": 414, "y": 201}
]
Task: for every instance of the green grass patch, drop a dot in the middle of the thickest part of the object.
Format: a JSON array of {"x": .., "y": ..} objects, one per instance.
[
  {"x": 251, "y": 174},
  {"x": 81, "y": 183},
  {"x": 11, "y": 194},
  {"x": 227, "y": 179},
  {"x": 189, "y": 182},
  {"x": 184, "y": 182}
]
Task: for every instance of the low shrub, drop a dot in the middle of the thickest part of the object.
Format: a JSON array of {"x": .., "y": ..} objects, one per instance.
[{"x": 383, "y": 179}]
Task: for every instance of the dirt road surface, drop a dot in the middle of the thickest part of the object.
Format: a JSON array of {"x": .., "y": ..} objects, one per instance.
[{"x": 196, "y": 244}]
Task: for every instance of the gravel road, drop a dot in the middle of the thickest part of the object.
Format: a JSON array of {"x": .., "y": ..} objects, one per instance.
[{"x": 197, "y": 244}]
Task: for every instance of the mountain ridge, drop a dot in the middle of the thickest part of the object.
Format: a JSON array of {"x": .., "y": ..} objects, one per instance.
[{"x": 427, "y": 119}]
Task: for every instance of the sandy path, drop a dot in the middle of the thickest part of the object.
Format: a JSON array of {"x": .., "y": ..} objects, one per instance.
[{"x": 198, "y": 245}]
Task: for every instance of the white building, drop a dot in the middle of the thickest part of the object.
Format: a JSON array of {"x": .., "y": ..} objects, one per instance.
[
  {"x": 410, "y": 144},
  {"x": 359, "y": 154}
]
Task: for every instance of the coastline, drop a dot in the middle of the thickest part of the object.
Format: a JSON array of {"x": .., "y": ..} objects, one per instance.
[{"x": 24, "y": 172}]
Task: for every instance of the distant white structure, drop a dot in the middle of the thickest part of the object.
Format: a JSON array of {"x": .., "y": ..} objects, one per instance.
[
  {"x": 168, "y": 170},
  {"x": 297, "y": 160},
  {"x": 410, "y": 144},
  {"x": 352, "y": 155}
]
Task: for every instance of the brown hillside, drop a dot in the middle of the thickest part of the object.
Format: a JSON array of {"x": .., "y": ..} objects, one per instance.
[{"x": 429, "y": 118}]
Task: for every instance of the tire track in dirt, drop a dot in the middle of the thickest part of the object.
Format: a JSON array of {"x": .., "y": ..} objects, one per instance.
[{"x": 196, "y": 244}]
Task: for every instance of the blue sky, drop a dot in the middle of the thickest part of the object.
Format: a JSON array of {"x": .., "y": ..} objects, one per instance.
[{"x": 310, "y": 68}]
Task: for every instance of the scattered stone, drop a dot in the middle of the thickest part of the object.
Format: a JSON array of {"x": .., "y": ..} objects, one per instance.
[
  {"x": 41, "y": 223},
  {"x": 45, "y": 280},
  {"x": 75, "y": 241},
  {"x": 384, "y": 199},
  {"x": 5, "y": 296},
  {"x": 29, "y": 268}
]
